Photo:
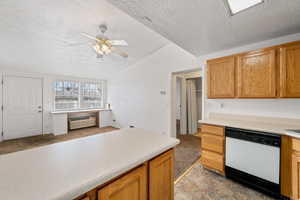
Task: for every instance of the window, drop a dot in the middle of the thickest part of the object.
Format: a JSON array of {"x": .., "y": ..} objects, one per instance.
[
  {"x": 91, "y": 95},
  {"x": 70, "y": 95},
  {"x": 236, "y": 6}
]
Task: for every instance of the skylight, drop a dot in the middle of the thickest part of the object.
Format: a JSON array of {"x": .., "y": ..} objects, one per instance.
[{"x": 236, "y": 6}]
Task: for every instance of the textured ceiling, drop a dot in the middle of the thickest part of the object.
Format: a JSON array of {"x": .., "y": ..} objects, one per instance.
[
  {"x": 38, "y": 36},
  {"x": 204, "y": 26}
]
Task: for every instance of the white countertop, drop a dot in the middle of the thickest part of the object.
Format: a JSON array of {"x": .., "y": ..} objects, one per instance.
[
  {"x": 65, "y": 170},
  {"x": 78, "y": 111},
  {"x": 275, "y": 128}
]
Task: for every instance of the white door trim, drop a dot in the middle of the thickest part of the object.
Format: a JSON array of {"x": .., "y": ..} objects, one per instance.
[{"x": 172, "y": 100}]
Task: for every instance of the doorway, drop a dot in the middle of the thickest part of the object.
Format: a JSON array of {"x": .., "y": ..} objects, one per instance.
[
  {"x": 22, "y": 107},
  {"x": 188, "y": 104},
  {"x": 187, "y": 111}
]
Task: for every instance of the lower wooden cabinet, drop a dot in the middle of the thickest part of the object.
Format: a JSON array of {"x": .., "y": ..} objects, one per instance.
[
  {"x": 161, "y": 180},
  {"x": 290, "y": 167},
  {"x": 295, "y": 175},
  {"x": 213, "y": 148},
  {"x": 132, "y": 186},
  {"x": 154, "y": 180}
]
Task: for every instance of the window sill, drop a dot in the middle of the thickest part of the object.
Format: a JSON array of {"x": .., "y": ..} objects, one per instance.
[{"x": 78, "y": 111}]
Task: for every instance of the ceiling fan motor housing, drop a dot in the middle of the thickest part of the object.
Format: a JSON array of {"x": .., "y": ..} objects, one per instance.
[{"x": 103, "y": 28}]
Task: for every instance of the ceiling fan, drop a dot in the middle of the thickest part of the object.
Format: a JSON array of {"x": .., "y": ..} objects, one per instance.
[{"x": 104, "y": 45}]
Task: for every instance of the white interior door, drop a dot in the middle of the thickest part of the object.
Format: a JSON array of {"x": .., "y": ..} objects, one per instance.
[{"x": 22, "y": 107}]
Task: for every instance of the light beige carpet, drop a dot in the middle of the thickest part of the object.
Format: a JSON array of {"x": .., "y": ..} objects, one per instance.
[{"x": 186, "y": 153}]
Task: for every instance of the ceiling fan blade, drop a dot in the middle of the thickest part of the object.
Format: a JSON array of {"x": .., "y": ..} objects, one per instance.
[
  {"x": 119, "y": 52},
  {"x": 77, "y": 44},
  {"x": 90, "y": 36},
  {"x": 118, "y": 42}
]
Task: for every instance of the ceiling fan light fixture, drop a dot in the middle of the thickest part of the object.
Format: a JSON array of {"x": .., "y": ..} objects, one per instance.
[{"x": 104, "y": 46}]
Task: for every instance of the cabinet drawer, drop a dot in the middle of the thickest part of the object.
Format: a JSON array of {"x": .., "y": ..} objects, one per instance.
[
  {"x": 212, "y": 143},
  {"x": 216, "y": 130},
  {"x": 213, "y": 161},
  {"x": 295, "y": 144}
]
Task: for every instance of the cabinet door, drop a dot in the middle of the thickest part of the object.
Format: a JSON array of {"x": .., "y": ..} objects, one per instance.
[
  {"x": 221, "y": 77},
  {"x": 161, "y": 180},
  {"x": 296, "y": 176},
  {"x": 131, "y": 186},
  {"x": 256, "y": 74},
  {"x": 290, "y": 71}
]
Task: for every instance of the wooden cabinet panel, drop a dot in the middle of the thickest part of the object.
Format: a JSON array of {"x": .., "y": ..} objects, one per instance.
[
  {"x": 161, "y": 177},
  {"x": 256, "y": 74},
  {"x": 295, "y": 144},
  {"x": 216, "y": 130},
  {"x": 290, "y": 70},
  {"x": 86, "y": 198},
  {"x": 131, "y": 186},
  {"x": 296, "y": 176},
  {"x": 285, "y": 166},
  {"x": 213, "y": 161},
  {"x": 221, "y": 77},
  {"x": 212, "y": 143}
]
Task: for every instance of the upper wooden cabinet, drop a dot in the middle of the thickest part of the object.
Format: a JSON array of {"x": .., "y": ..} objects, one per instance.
[
  {"x": 132, "y": 186},
  {"x": 290, "y": 70},
  {"x": 221, "y": 77},
  {"x": 256, "y": 74},
  {"x": 273, "y": 72}
]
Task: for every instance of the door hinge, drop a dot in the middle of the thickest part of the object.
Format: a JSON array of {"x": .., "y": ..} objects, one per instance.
[
  {"x": 2, "y": 107},
  {"x": 2, "y": 82},
  {"x": 2, "y": 133}
]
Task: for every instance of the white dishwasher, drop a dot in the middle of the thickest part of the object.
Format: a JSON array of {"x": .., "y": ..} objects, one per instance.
[{"x": 253, "y": 158}]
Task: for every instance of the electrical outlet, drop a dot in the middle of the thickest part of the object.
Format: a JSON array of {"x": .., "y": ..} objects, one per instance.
[{"x": 221, "y": 105}]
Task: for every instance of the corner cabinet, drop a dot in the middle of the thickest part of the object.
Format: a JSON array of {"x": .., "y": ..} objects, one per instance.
[
  {"x": 290, "y": 167},
  {"x": 296, "y": 175},
  {"x": 290, "y": 70},
  {"x": 220, "y": 77},
  {"x": 256, "y": 74}
]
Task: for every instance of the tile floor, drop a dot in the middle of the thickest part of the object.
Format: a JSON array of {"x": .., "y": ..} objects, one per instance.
[{"x": 201, "y": 184}]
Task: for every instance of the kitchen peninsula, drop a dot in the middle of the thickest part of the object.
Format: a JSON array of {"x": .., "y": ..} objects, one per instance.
[{"x": 122, "y": 162}]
